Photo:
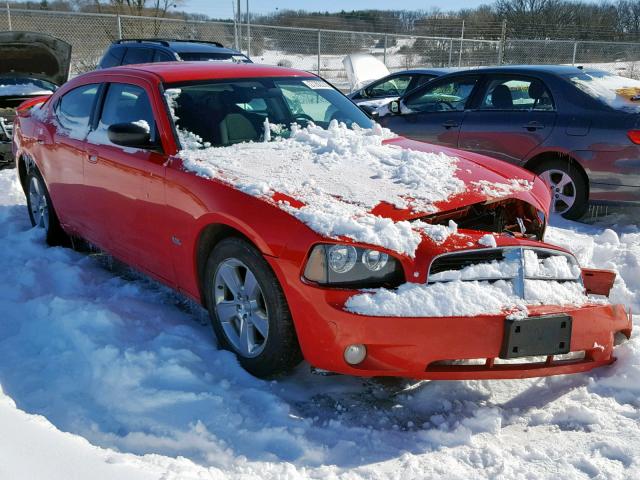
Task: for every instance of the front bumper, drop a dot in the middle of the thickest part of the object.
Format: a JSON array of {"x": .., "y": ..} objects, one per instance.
[{"x": 432, "y": 348}]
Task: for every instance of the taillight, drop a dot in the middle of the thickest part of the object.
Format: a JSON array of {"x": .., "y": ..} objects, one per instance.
[{"x": 634, "y": 136}]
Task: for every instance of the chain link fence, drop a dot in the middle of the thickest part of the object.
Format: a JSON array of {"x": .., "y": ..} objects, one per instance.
[{"x": 320, "y": 50}]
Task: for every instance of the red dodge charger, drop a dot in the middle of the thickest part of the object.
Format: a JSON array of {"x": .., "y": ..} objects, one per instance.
[{"x": 308, "y": 231}]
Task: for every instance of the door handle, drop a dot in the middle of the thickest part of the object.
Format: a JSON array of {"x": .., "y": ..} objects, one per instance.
[
  {"x": 532, "y": 126},
  {"x": 450, "y": 124}
]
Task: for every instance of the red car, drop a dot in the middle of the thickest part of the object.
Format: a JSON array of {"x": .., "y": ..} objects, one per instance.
[{"x": 242, "y": 187}]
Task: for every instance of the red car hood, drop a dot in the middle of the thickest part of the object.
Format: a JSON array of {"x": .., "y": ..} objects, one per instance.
[{"x": 474, "y": 170}]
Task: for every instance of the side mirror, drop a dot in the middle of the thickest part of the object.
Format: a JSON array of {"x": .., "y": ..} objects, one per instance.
[
  {"x": 130, "y": 134},
  {"x": 394, "y": 107}
]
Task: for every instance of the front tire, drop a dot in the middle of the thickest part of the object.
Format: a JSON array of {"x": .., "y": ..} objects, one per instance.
[
  {"x": 41, "y": 211},
  {"x": 569, "y": 190},
  {"x": 248, "y": 309}
]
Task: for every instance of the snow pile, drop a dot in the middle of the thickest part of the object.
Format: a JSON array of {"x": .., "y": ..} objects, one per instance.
[
  {"x": 437, "y": 233},
  {"x": 557, "y": 267},
  {"x": 488, "y": 240},
  {"x": 480, "y": 289},
  {"x": 339, "y": 174},
  {"x": 609, "y": 250},
  {"x": 464, "y": 298},
  {"x": 499, "y": 190}
]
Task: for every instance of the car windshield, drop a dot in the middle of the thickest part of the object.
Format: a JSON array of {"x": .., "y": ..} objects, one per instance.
[
  {"x": 225, "y": 112},
  {"x": 214, "y": 57},
  {"x": 618, "y": 92},
  {"x": 25, "y": 86}
]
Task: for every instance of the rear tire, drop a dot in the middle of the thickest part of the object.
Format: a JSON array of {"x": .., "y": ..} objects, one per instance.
[
  {"x": 248, "y": 309},
  {"x": 567, "y": 185},
  {"x": 41, "y": 211}
]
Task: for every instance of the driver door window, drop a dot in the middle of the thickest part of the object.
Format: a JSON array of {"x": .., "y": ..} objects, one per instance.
[
  {"x": 450, "y": 95},
  {"x": 393, "y": 87},
  {"x": 124, "y": 104}
]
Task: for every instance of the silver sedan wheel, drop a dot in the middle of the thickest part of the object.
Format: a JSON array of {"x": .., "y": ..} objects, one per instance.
[
  {"x": 562, "y": 188},
  {"x": 38, "y": 204},
  {"x": 241, "y": 308}
]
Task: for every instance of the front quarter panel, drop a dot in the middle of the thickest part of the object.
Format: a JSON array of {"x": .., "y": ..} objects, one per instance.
[{"x": 194, "y": 203}]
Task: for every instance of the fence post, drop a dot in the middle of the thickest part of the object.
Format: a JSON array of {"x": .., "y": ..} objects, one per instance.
[
  {"x": 384, "y": 57},
  {"x": 575, "y": 51},
  {"x": 319, "y": 50},
  {"x": 450, "y": 50},
  {"x": 503, "y": 40},
  {"x": 248, "y": 31},
  {"x": 461, "y": 40},
  {"x": 9, "y": 16},
  {"x": 119, "y": 21}
]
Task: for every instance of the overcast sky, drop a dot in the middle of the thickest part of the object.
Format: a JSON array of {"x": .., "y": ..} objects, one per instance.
[{"x": 223, "y": 8}]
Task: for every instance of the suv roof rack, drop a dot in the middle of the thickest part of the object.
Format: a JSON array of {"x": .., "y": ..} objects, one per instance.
[{"x": 165, "y": 41}]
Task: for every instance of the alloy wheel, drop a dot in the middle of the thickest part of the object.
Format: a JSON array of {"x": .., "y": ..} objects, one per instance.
[
  {"x": 241, "y": 308},
  {"x": 38, "y": 204},
  {"x": 562, "y": 188}
]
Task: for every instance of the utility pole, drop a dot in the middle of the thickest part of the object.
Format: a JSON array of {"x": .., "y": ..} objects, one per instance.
[{"x": 461, "y": 45}]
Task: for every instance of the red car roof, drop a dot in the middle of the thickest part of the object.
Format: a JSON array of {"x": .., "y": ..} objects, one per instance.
[{"x": 171, "y": 72}]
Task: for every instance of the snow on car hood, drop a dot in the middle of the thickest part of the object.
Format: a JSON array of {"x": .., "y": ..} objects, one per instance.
[{"x": 363, "y": 184}]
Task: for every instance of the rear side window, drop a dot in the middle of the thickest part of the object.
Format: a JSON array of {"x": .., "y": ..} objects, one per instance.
[
  {"x": 516, "y": 93},
  {"x": 74, "y": 108},
  {"x": 124, "y": 103},
  {"x": 113, "y": 57},
  {"x": 617, "y": 92},
  {"x": 160, "y": 56},
  {"x": 138, "y": 55}
]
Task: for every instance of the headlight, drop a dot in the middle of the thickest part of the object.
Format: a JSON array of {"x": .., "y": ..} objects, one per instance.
[{"x": 348, "y": 266}]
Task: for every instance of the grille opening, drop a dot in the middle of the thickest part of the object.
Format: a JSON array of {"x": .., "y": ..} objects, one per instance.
[
  {"x": 518, "y": 264},
  {"x": 512, "y": 216}
]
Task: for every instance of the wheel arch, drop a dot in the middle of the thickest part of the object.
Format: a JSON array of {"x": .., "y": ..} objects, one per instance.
[
  {"x": 24, "y": 163},
  {"x": 539, "y": 158},
  {"x": 209, "y": 236}
]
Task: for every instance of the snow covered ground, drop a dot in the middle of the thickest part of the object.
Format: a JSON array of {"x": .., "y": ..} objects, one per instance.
[{"x": 106, "y": 375}]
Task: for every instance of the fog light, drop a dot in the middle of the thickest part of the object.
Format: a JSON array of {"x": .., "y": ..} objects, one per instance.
[{"x": 354, "y": 354}]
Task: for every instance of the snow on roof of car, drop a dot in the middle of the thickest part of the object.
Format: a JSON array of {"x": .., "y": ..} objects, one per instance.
[{"x": 340, "y": 175}]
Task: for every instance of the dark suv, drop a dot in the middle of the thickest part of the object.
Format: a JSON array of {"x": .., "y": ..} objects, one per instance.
[{"x": 129, "y": 51}]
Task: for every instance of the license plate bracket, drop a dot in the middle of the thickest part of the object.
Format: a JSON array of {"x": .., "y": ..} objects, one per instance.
[{"x": 533, "y": 336}]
